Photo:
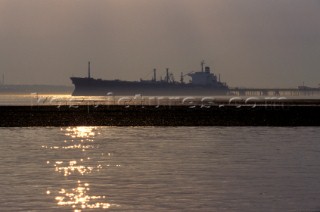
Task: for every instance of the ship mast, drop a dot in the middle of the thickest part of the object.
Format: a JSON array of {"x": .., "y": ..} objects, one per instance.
[
  {"x": 167, "y": 75},
  {"x": 89, "y": 73}
]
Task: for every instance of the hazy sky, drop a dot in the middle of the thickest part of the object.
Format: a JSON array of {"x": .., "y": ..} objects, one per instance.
[{"x": 253, "y": 43}]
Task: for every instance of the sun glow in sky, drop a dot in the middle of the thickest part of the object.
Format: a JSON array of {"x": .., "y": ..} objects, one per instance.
[{"x": 250, "y": 43}]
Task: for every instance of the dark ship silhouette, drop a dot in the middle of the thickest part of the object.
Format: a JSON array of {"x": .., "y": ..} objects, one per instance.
[{"x": 203, "y": 83}]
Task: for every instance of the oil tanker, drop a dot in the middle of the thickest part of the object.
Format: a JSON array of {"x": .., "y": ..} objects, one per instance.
[{"x": 202, "y": 82}]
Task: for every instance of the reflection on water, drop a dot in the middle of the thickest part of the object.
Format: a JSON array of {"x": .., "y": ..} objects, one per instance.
[
  {"x": 78, "y": 195},
  {"x": 160, "y": 169},
  {"x": 81, "y": 132},
  {"x": 71, "y": 167}
]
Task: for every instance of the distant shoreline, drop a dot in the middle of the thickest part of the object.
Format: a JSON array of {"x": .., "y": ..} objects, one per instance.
[{"x": 27, "y": 89}]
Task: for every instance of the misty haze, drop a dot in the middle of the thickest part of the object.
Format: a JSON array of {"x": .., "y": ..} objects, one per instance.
[
  {"x": 160, "y": 105},
  {"x": 249, "y": 43}
]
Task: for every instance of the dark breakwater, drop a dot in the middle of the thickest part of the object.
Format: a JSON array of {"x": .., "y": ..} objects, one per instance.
[{"x": 119, "y": 115}]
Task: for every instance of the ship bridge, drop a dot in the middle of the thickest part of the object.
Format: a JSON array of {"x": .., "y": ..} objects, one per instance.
[{"x": 203, "y": 77}]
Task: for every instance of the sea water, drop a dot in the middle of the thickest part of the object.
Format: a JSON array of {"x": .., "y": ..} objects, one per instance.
[{"x": 160, "y": 169}]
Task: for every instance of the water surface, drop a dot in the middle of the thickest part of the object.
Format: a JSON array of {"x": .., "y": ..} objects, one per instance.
[{"x": 160, "y": 169}]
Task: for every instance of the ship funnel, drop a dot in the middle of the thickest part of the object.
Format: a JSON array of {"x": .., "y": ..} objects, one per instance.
[
  {"x": 181, "y": 78},
  {"x": 155, "y": 75},
  {"x": 202, "y": 65},
  {"x": 89, "y": 72}
]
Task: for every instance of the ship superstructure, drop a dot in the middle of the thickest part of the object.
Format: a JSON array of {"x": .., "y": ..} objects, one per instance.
[{"x": 202, "y": 83}]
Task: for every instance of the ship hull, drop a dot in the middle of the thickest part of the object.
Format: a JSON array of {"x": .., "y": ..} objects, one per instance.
[{"x": 97, "y": 87}]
